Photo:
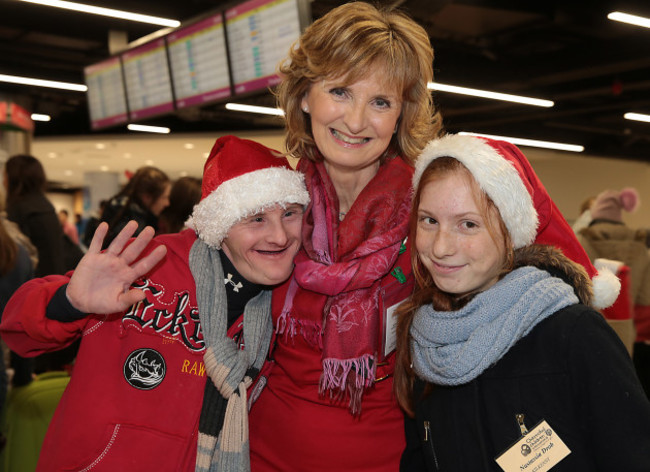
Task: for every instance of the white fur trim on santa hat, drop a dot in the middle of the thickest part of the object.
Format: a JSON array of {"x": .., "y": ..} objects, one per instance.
[
  {"x": 245, "y": 195},
  {"x": 495, "y": 175},
  {"x": 606, "y": 285}
]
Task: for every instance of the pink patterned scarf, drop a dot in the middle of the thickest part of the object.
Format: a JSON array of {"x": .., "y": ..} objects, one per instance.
[{"x": 345, "y": 262}]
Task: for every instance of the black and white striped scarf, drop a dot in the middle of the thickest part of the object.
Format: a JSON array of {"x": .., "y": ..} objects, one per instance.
[{"x": 223, "y": 425}]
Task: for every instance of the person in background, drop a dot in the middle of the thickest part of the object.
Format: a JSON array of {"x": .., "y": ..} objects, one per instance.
[
  {"x": 79, "y": 223},
  {"x": 160, "y": 381},
  {"x": 92, "y": 223},
  {"x": 71, "y": 249},
  {"x": 22, "y": 368},
  {"x": 185, "y": 193},
  {"x": 503, "y": 364},
  {"x": 142, "y": 199},
  {"x": 358, "y": 111},
  {"x": 18, "y": 258},
  {"x": 584, "y": 218},
  {"x": 30, "y": 209},
  {"x": 16, "y": 268},
  {"x": 69, "y": 229},
  {"x": 14, "y": 232},
  {"x": 607, "y": 236}
]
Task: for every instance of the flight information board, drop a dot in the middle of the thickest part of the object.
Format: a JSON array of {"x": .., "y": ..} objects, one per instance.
[
  {"x": 106, "y": 98},
  {"x": 148, "y": 83},
  {"x": 199, "y": 62},
  {"x": 260, "y": 33}
]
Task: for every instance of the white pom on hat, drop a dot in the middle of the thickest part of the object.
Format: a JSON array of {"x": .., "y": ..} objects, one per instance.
[
  {"x": 606, "y": 284},
  {"x": 529, "y": 213},
  {"x": 241, "y": 178}
]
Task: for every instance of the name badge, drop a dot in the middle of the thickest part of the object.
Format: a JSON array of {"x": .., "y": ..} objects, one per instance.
[
  {"x": 390, "y": 330},
  {"x": 540, "y": 449},
  {"x": 399, "y": 289}
]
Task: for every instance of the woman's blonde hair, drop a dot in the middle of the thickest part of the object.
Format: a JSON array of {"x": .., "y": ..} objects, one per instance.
[{"x": 345, "y": 44}]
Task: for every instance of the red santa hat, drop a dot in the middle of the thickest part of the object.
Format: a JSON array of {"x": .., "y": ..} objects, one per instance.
[
  {"x": 241, "y": 178},
  {"x": 531, "y": 217}
]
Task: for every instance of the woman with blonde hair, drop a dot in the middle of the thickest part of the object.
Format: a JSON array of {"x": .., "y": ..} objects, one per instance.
[{"x": 358, "y": 111}]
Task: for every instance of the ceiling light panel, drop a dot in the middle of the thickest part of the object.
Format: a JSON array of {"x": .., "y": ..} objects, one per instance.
[
  {"x": 538, "y": 102},
  {"x": 123, "y": 15},
  {"x": 530, "y": 142}
]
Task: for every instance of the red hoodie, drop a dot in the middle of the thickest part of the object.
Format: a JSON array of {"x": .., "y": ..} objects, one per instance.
[{"x": 135, "y": 396}]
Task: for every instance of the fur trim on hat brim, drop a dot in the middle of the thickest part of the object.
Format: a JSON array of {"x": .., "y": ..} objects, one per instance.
[
  {"x": 245, "y": 195},
  {"x": 495, "y": 175}
]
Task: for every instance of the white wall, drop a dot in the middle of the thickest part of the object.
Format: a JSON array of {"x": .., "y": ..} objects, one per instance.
[
  {"x": 67, "y": 159},
  {"x": 63, "y": 201},
  {"x": 570, "y": 178}
]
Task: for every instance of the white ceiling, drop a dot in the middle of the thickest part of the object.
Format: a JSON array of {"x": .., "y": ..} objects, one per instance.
[{"x": 66, "y": 160}]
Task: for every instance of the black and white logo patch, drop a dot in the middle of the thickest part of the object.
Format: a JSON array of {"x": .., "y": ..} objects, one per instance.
[{"x": 144, "y": 369}]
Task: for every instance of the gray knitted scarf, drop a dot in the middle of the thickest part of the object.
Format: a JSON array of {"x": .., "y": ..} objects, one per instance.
[
  {"x": 455, "y": 347},
  {"x": 223, "y": 425}
]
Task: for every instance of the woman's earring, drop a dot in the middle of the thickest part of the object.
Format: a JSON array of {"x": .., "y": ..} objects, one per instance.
[{"x": 305, "y": 109}]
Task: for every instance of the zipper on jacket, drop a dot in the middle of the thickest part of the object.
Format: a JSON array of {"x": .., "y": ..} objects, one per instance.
[{"x": 428, "y": 439}]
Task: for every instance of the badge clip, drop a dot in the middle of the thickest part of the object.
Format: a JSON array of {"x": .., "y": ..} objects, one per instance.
[
  {"x": 522, "y": 425},
  {"x": 398, "y": 274}
]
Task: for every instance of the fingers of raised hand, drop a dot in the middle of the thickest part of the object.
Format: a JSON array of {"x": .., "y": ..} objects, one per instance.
[
  {"x": 147, "y": 263},
  {"x": 133, "y": 250},
  {"x": 117, "y": 245},
  {"x": 131, "y": 297},
  {"x": 98, "y": 238}
]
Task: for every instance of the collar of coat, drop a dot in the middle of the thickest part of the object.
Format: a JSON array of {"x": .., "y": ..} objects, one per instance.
[{"x": 553, "y": 261}]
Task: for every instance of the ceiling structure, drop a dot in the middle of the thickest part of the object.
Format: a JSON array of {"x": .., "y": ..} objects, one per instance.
[{"x": 594, "y": 69}]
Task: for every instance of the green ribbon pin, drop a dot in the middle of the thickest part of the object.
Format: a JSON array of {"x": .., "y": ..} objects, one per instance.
[{"x": 398, "y": 274}]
